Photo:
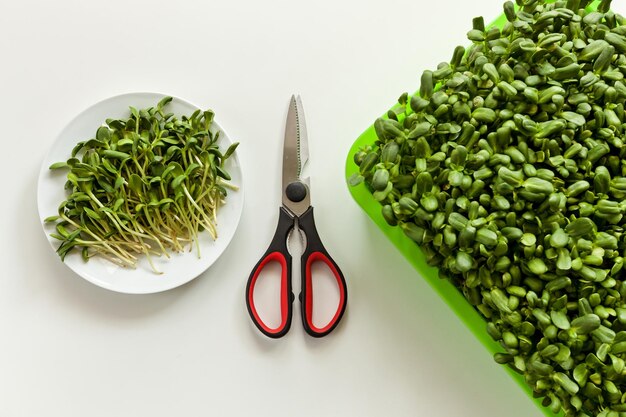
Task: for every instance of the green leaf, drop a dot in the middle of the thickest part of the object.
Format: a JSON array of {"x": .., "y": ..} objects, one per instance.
[
  {"x": 171, "y": 140},
  {"x": 580, "y": 227},
  {"x": 576, "y": 119},
  {"x": 60, "y": 228},
  {"x": 118, "y": 204},
  {"x": 564, "y": 261},
  {"x": 231, "y": 149},
  {"x": 106, "y": 185},
  {"x": 136, "y": 184},
  {"x": 59, "y": 165},
  {"x": 93, "y": 214},
  {"x": 126, "y": 142},
  {"x": 560, "y": 320},
  {"x": 166, "y": 201},
  {"x": 222, "y": 173},
  {"x": 115, "y": 154},
  {"x": 163, "y": 102},
  {"x": 178, "y": 181},
  {"x": 103, "y": 134},
  {"x": 528, "y": 239},
  {"x": 64, "y": 249},
  {"x": 355, "y": 179},
  {"x": 537, "y": 266},
  {"x": 191, "y": 168},
  {"x": 171, "y": 151},
  {"x": 566, "y": 383},
  {"x": 119, "y": 181},
  {"x": 559, "y": 239},
  {"x": 464, "y": 261},
  {"x": 586, "y": 324},
  {"x": 115, "y": 124},
  {"x": 77, "y": 148},
  {"x": 174, "y": 169},
  {"x": 420, "y": 129}
]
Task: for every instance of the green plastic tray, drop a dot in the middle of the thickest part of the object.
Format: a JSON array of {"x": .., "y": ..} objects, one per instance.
[{"x": 450, "y": 294}]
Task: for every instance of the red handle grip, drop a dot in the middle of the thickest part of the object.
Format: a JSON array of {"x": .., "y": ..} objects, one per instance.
[
  {"x": 315, "y": 252},
  {"x": 307, "y": 292},
  {"x": 285, "y": 295},
  {"x": 277, "y": 252}
]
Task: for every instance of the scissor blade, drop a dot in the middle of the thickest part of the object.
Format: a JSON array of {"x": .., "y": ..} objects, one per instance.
[
  {"x": 296, "y": 199},
  {"x": 303, "y": 141},
  {"x": 291, "y": 147}
]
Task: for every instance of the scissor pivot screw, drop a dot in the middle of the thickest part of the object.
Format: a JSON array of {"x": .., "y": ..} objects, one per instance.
[{"x": 296, "y": 191}]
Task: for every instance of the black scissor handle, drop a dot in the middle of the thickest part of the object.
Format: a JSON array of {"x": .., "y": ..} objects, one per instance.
[
  {"x": 277, "y": 252},
  {"x": 315, "y": 252}
]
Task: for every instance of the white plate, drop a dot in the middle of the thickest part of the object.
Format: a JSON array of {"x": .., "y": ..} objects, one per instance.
[{"x": 180, "y": 268}]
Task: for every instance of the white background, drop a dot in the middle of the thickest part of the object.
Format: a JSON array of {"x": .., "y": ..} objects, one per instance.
[{"x": 69, "y": 348}]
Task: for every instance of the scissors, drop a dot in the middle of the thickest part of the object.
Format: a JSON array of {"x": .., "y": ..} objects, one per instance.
[{"x": 296, "y": 211}]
